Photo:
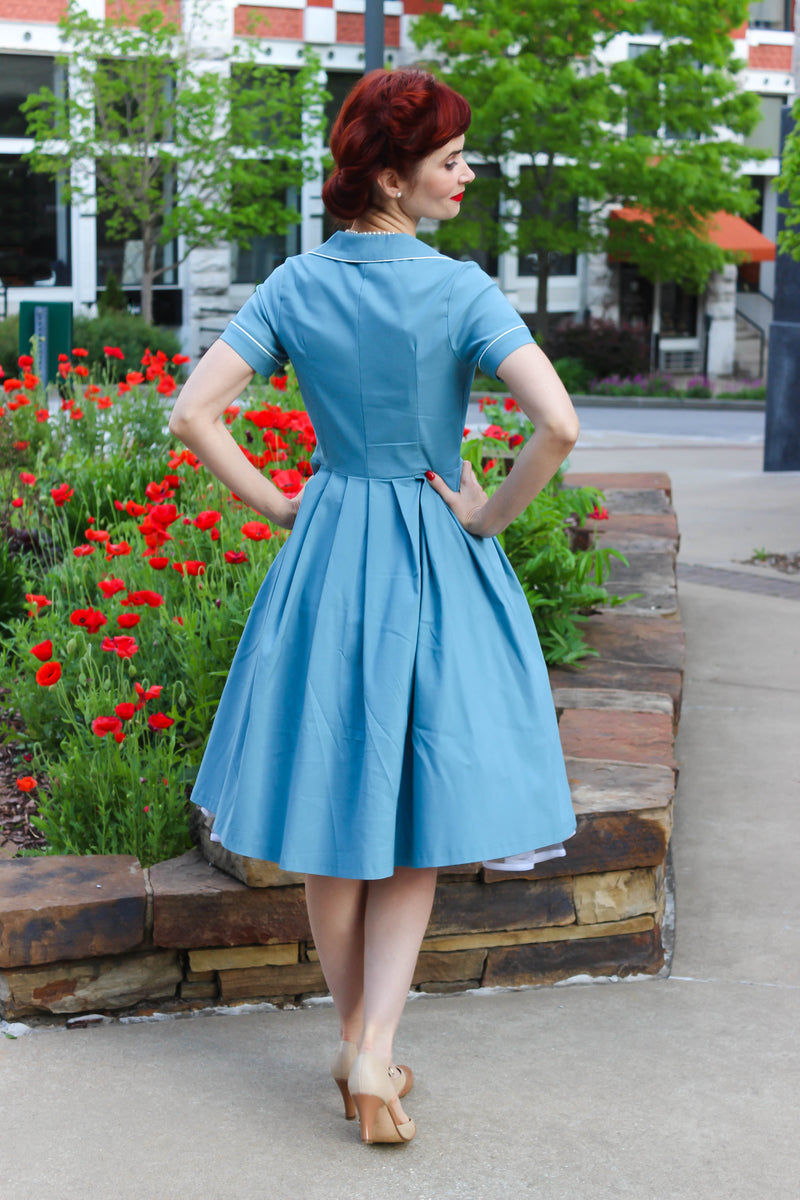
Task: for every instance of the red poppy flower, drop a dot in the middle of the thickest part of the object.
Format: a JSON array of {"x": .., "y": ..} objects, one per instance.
[
  {"x": 236, "y": 556},
  {"x": 166, "y": 386},
  {"x": 110, "y": 587},
  {"x": 290, "y": 482},
  {"x": 467, "y": 431},
  {"x": 156, "y": 492},
  {"x": 163, "y": 514},
  {"x": 152, "y": 693},
  {"x": 64, "y": 369},
  {"x": 128, "y": 620},
  {"x": 160, "y": 721},
  {"x": 26, "y": 783},
  {"x": 131, "y": 508},
  {"x": 278, "y": 382},
  {"x": 76, "y": 414},
  {"x": 122, "y": 645},
  {"x": 82, "y": 371},
  {"x": 158, "y": 563},
  {"x": 97, "y": 535},
  {"x": 153, "y": 599},
  {"x": 43, "y": 651},
  {"x": 42, "y": 415},
  {"x": 39, "y": 602},
  {"x": 79, "y": 352},
  {"x": 12, "y": 385},
  {"x": 510, "y": 404},
  {"x": 495, "y": 431},
  {"x": 486, "y": 402},
  {"x": 66, "y": 405},
  {"x": 61, "y": 494},
  {"x": 125, "y": 710},
  {"x": 25, "y": 361},
  {"x": 180, "y": 359},
  {"x": 49, "y": 674},
  {"x": 599, "y": 514},
  {"x": 103, "y": 725},
  {"x": 113, "y": 352},
  {"x": 21, "y": 445},
  {"x": 231, "y": 413},
  {"x": 172, "y": 480},
  {"x": 257, "y": 531},
  {"x": 192, "y": 566},
  {"x": 185, "y": 456},
  {"x": 515, "y": 440},
  {"x": 82, "y": 550},
  {"x": 29, "y": 380},
  {"x": 18, "y": 402},
  {"x": 91, "y": 619},
  {"x": 105, "y": 402},
  {"x": 207, "y": 519},
  {"x": 17, "y": 502},
  {"x": 487, "y": 466},
  {"x": 123, "y": 387},
  {"x": 134, "y": 377},
  {"x": 116, "y": 550}
]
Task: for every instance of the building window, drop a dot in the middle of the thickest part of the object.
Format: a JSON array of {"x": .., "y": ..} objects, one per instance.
[
  {"x": 34, "y": 227},
  {"x": 772, "y": 14},
  {"x": 20, "y": 76},
  {"x": 480, "y": 210},
  {"x": 252, "y": 264},
  {"x": 767, "y": 133}
]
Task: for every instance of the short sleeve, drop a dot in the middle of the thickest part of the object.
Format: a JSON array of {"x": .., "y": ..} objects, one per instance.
[
  {"x": 253, "y": 332},
  {"x": 483, "y": 325}
]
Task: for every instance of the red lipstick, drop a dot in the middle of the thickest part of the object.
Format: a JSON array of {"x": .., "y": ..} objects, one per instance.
[{"x": 460, "y": 196}]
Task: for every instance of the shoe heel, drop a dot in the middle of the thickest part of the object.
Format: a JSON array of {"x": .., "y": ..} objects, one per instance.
[
  {"x": 349, "y": 1106},
  {"x": 368, "y": 1109}
]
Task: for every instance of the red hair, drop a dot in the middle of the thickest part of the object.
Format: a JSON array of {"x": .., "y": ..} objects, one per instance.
[{"x": 390, "y": 119}]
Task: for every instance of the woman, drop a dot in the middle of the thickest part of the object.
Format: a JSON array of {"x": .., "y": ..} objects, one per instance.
[{"x": 388, "y": 710}]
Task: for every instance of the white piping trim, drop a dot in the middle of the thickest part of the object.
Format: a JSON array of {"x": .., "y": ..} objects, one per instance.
[
  {"x": 252, "y": 339},
  {"x": 497, "y": 339},
  {"x": 405, "y": 258}
]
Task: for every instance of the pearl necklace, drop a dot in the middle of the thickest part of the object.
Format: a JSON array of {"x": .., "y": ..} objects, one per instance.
[{"x": 372, "y": 232}]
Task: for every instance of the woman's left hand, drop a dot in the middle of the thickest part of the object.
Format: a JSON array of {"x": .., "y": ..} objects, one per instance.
[{"x": 467, "y": 503}]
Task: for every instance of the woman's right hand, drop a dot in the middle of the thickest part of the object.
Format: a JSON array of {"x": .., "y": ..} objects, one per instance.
[{"x": 467, "y": 503}]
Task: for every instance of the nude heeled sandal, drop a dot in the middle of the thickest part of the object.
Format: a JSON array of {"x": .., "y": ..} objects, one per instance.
[
  {"x": 402, "y": 1077},
  {"x": 373, "y": 1089}
]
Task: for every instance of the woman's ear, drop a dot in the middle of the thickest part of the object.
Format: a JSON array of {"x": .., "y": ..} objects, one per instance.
[{"x": 389, "y": 183}]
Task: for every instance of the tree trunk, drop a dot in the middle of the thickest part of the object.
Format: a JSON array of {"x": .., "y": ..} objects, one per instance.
[
  {"x": 148, "y": 269},
  {"x": 542, "y": 279}
]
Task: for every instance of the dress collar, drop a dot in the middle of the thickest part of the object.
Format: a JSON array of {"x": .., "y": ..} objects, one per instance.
[{"x": 347, "y": 246}]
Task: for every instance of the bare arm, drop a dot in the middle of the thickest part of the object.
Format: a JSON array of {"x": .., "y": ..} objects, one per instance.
[
  {"x": 534, "y": 383},
  {"x": 215, "y": 383}
]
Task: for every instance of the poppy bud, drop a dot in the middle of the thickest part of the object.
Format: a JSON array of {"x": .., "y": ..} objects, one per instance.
[{"x": 72, "y": 645}]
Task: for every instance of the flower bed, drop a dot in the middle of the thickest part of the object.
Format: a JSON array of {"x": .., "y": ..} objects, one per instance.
[{"x": 131, "y": 573}]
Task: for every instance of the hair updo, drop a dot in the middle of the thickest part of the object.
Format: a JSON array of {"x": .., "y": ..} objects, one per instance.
[{"x": 390, "y": 119}]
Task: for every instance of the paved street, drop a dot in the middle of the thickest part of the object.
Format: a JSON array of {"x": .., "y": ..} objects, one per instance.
[{"x": 680, "y": 1088}]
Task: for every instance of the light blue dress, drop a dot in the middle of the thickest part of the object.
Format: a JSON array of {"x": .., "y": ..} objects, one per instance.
[{"x": 388, "y": 704}]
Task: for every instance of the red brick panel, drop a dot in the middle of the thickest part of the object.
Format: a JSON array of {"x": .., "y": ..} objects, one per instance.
[
  {"x": 738, "y": 34},
  {"x": 350, "y": 28},
  {"x": 771, "y": 58},
  {"x": 412, "y": 7},
  {"x": 268, "y": 22},
  {"x": 32, "y": 10},
  {"x": 128, "y": 12},
  {"x": 319, "y": 3}
]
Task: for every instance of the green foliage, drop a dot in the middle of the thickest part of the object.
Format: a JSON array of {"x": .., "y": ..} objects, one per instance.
[
  {"x": 168, "y": 165},
  {"x": 788, "y": 185},
  {"x": 9, "y": 344},
  {"x": 573, "y": 373},
  {"x": 112, "y": 299},
  {"x": 756, "y": 391},
  {"x": 12, "y": 586},
  {"x": 132, "y": 334},
  {"x": 654, "y": 130}
]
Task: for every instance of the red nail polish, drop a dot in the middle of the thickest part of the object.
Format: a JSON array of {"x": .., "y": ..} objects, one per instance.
[{"x": 429, "y": 475}]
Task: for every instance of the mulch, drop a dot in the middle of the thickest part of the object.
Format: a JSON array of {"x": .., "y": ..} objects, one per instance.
[{"x": 16, "y": 807}]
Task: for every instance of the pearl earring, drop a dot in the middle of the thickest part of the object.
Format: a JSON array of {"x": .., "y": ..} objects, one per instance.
[{"x": 399, "y": 194}]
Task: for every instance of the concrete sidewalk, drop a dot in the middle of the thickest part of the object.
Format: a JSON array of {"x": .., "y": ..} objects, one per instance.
[{"x": 683, "y": 1087}]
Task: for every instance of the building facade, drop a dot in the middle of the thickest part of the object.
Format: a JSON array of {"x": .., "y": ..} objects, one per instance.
[{"x": 49, "y": 250}]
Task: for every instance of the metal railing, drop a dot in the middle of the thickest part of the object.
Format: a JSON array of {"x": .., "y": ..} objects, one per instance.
[{"x": 761, "y": 339}]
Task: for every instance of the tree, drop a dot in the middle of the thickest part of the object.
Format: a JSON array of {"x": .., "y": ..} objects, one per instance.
[
  {"x": 170, "y": 146},
  {"x": 569, "y": 131}
]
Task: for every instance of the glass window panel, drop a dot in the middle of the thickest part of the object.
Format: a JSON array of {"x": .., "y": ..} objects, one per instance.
[
  {"x": 34, "y": 227},
  {"x": 528, "y": 261},
  {"x": 20, "y": 76},
  {"x": 767, "y": 133},
  {"x": 266, "y": 252}
]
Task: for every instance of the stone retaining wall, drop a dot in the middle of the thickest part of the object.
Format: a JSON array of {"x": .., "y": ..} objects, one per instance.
[{"x": 98, "y": 934}]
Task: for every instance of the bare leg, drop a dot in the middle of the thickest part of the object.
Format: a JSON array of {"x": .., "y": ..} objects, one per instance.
[{"x": 336, "y": 913}]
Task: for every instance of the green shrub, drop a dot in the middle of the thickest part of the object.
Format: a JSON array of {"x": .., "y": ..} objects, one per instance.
[
  {"x": 9, "y": 345},
  {"x": 12, "y": 585},
  {"x": 130, "y": 333},
  {"x": 573, "y": 374}
]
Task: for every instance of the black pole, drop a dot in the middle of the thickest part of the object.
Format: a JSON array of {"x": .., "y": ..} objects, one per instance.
[
  {"x": 782, "y": 432},
  {"x": 373, "y": 35}
]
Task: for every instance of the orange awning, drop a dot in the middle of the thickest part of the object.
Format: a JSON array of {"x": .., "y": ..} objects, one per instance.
[{"x": 726, "y": 230}]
